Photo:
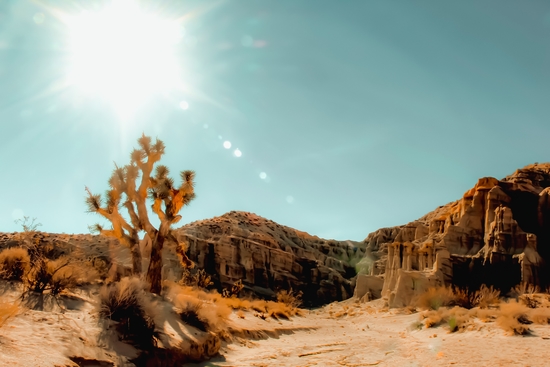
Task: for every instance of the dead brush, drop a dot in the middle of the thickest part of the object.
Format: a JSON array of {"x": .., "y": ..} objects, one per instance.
[
  {"x": 290, "y": 297},
  {"x": 234, "y": 291},
  {"x": 434, "y": 298},
  {"x": 526, "y": 294},
  {"x": 14, "y": 263},
  {"x": 485, "y": 297},
  {"x": 127, "y": 303},
  {"x": 56, "y": 276},
  {"x": 198, "y": 278},
  {"x": 214, "y": 301},
  {"x": 202, "y": 314},
  {"x": 457, "y": 318},
  {"x": 513, "y": 318}
]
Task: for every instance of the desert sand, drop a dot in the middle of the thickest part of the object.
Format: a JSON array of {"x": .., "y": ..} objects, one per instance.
[{"x": 347, "y": 333}]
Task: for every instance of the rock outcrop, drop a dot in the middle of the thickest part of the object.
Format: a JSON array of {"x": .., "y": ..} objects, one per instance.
[
  {"x": 497, "y": 234},
  {"x": 267, "y": 256}
]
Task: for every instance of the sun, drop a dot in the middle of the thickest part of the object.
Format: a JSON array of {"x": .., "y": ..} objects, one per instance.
[{"x": 123, "y": 54}]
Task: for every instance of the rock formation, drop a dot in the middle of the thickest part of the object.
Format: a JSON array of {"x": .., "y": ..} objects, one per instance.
[
  {"x": 497, "y": 234},
  {"x": 268, "y": 256}
]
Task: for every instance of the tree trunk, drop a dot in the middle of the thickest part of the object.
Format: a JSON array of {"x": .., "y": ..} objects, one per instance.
[
  {"x": 136, "y": 259},
  {"x": 154, "y": 273}
]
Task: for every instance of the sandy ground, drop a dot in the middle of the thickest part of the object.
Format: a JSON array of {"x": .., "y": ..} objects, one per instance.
[
  {"x": 386, "y": 339},
  {"x": 362, "y": 336}
]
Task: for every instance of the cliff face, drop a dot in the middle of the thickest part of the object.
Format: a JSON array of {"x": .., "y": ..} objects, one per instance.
[
  {"x": 268, "y": 256},
  {"x": 497, "y": 234}
]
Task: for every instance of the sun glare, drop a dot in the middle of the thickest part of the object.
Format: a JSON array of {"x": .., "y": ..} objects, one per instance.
[{"x": 123, "y": 54}]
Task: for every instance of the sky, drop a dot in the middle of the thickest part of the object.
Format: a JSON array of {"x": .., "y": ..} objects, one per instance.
[{"x": 332, "y": 117}]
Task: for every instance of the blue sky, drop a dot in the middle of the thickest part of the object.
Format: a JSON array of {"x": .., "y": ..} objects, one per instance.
[{"x": 350, "y": 115}]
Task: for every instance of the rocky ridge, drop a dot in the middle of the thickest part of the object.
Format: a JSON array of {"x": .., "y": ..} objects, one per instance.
[{"x": 268, "y": 256}]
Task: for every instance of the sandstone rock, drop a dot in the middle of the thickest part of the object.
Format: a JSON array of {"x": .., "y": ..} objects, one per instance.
[
  {"x": 267, "y": 256},
  {"x": 498, "y": 234},
  {"x": 368, "y": 287}
]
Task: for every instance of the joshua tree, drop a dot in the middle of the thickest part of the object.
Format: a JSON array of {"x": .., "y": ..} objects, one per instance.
[{"x": 125, "y": 191}]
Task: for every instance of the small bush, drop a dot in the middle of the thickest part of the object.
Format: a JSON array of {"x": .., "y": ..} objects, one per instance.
[
  {"x": 56, "y": 276},
  {"x": 14, "y": 263},
  {"x": 485, "y": 297},
  {"x": 234, "y": 291},
  {"x": 513, "y": 318},
  {"x": 526, "y": 294},
  {"x": 463, "y": 297},
  {"x": 199, "y": 278},
  {"x": 457, "y": 318},
  {"x": 204, "y": 315},
  {"x": 290, "y": 298},
  {"x": 434, "y": 298},
  {"x": 127, "y": 303}
]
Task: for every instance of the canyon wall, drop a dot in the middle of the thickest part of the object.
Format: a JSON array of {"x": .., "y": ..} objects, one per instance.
[{"x": 496, "y": 234}]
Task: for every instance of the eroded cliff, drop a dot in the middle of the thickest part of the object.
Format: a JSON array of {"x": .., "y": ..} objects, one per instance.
[
  {"x": 268, "y": 256},
  {"x": 497, "y": 234}
]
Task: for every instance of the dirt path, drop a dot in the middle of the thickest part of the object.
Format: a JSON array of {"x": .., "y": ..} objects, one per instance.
[{"x": 386, "y": 339}]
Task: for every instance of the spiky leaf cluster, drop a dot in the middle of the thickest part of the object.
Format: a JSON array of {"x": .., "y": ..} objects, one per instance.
[{"x": 125, "y": 191}]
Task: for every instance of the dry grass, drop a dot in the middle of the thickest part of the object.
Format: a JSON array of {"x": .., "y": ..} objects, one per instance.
[
  {"x": 434, "y": 298},
  {"x": 513, "y": 318},
  {"x": 267, "y": 308},
  {"x": 457, "y": 318},
  {"x": 56, "y": 276},
  {"x": 205, "y": 315},
  {"x": 528, "y": 294},
  {"x": 290, "y": 298},
  {"x": 198, "y": 278},
  {"x": 127, "y": 303},
  {"x": 485, "y": 297},
  {"x": 14, "y": 263}
]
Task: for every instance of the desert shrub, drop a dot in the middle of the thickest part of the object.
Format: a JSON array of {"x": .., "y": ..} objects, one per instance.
[
  {"x": 290, "y": 298},
  {"x": 14, "y": 263},
  {"x": 191, "y": 317},
  {"x": 234, "y": 291},
  {"x": 56, "y": 276},
  {"x": 462, "y": 297},
  {"x": 513, "y": 318},
  {"x": 434, "y": 298},
  {"x": 526, "y": 294},
  {"x": 199, "y": 278},
  {"x": 540, "y": 316},
  {"x": 485, "y": 297},
  {"x": 213, "y": 309},
  {"x": 456, "y": 318},
  {"x": 7, "y": 311},
  {"x": 203, "y": 314},
  {"x": 127, "y": 303}
]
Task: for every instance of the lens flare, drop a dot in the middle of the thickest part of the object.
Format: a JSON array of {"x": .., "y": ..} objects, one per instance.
[{"x": 123, "y": 54}]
